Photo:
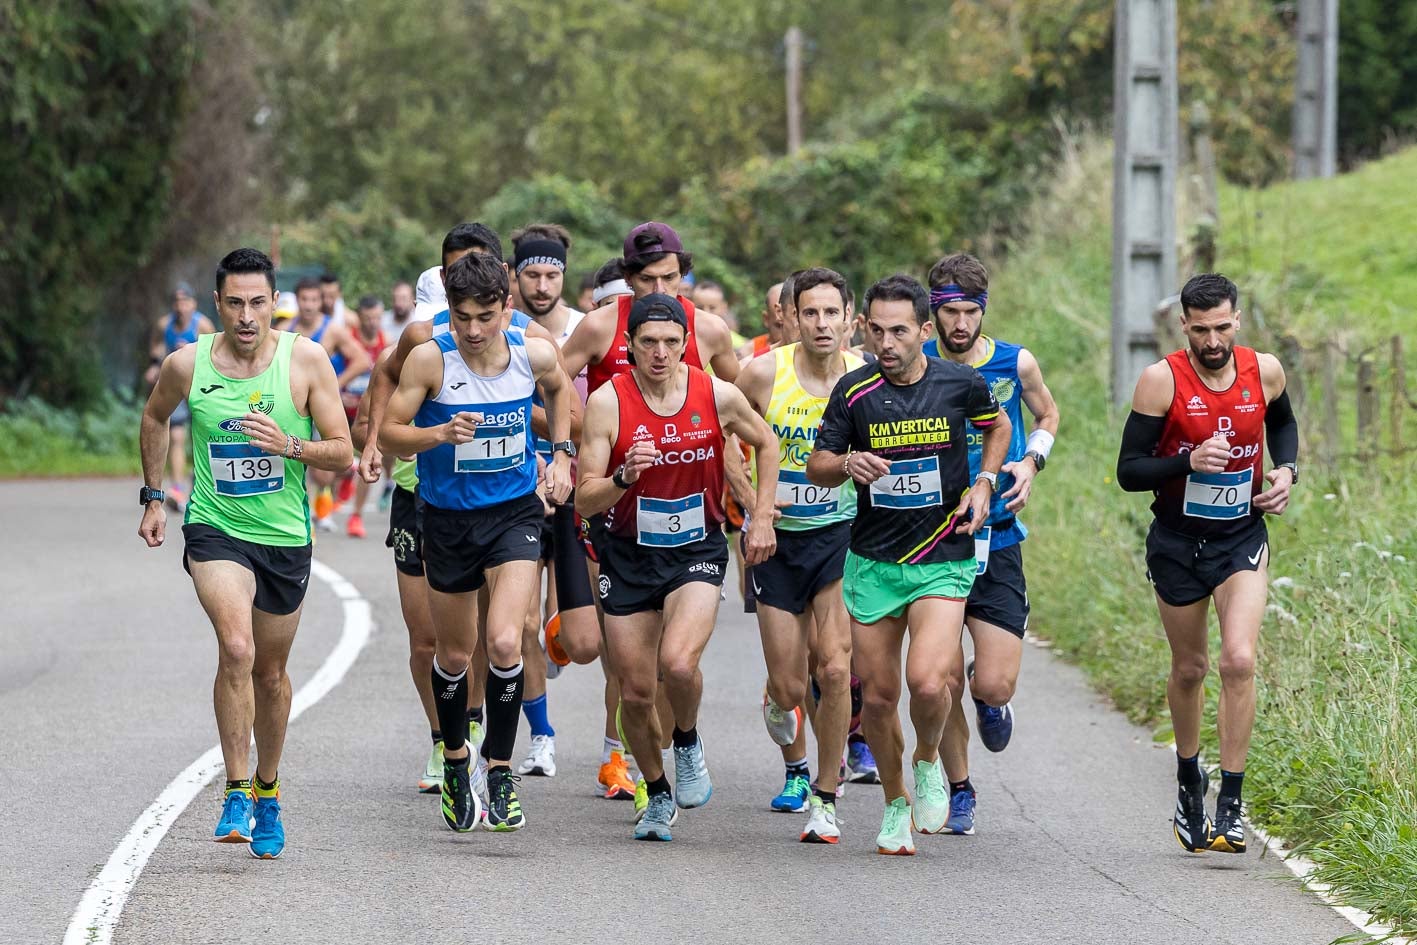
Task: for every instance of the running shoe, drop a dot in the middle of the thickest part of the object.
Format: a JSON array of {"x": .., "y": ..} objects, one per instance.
[
  {"x": 324, "y": 505},
  {"x": 355, "y": 526},
  {"x": 793, "y": 799},
  {"x": 783, "y": 724},
  {"x": 1227, "y": 835},
  {"x": 175, "y": 498},
  {"x": 326, "y": 524},
  {"x": 432, "y": 780},
  {"x": 268, "y": 836},
  {"x": 476, "y": 735},
  {"x": 541, "y": 758},
  {"x": 556, "y": 655},
  {"x": 346, "y": 489},
  {"x": 614, "y": 781},
  {"x": 932, "y": 801},
  {"x": 236, "y": 821},
  {"x": 821, "y": 822},
  {"x": 659, "y": 816},
  {"x": 504, "y": 814},
  {"x": 1191, "y": 825},
  {"x": 961, "y": 820},
  {"x": 861, "y": 763},
  {"x": 386, "y": 496},
  {"x": 462, "y": 808},
  {"x": 479, "y": 785},
  {"x": 996, "y": 725},
  {"x": 692, "y": 786},
  {"x": 894, "y": 838},
  {"x": 641, "y": 799}
]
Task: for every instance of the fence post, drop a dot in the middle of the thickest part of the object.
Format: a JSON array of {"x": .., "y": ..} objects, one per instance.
[
  {"x": 1367, "y": 408},
  {"x": 1399, "y": 395}
]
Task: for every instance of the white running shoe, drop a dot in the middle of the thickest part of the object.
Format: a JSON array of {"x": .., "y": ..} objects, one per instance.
[
  {"x": 541, "y": 759},
  {"x": 432, "y": 780},
  {"x": 821, "y": 824},
  {"x": 782, "y": 723}
]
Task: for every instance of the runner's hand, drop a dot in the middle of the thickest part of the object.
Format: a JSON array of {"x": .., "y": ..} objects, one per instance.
[
  {"x": 1275, "y": 499},
  {"x": 1023, "y": 472},
  {"x": 641, "y": 456},
  {"x": 371, "y": 462},
  {"x": 1212, "y": 456},
  {"x": 153, "y": 528},
  {"x": 866, "y": 468},
  {"x": 976, "y": 506},
  {"x": 761, "y": 542},
  {"x": 264, "y": 432},
  {"x": 461, "y": 429},
  {"x": 558, "y": 479},
  {"x": 776, "y": 511}
]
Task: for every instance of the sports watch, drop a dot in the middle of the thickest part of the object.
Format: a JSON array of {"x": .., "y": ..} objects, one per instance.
[
  {"x": 564, "y": 446},
  {"x": 1039, "y": 461},
  {"x": 987, "y": 476},
  {"x": 146, "y": 495},
  {"x": 1293, "y": 471}
]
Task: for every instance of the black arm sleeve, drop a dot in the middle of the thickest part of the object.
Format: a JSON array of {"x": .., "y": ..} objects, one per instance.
[
  {"x": 1281, "y": 430},
  {"x": 1137, "y": 469}
]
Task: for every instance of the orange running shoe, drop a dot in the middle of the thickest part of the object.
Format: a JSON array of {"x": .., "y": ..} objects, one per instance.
[
  {"x": 615, "y": 779},
  {"x": 324, "y": 504},
  {"x": 355, "y": 528},
  {"x": 552, "y": 632}
]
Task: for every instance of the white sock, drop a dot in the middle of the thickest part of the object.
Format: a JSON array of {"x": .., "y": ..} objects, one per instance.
[{"x": 611, "y": 745}]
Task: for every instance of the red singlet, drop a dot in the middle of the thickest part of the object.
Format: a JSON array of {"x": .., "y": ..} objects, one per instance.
[
  {"x": 1208, "y": 504},
  {"x": 615, "y": 361},
  {"x": 679, "y": 499}
]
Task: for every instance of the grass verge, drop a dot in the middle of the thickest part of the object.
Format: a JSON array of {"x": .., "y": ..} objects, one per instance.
[{"x": 41, "y": 440}]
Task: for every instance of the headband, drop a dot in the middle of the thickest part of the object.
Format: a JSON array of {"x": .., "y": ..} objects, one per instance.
[
  {"x": 953, "y": 293},
  {"x": 613, "y": 287},
  {"x": 539, "y": 253}
]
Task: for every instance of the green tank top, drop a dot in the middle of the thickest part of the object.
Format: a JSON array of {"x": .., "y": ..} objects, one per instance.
[
  {"x": 237, "y": 488},
  {"x": 405, "y": 474}
]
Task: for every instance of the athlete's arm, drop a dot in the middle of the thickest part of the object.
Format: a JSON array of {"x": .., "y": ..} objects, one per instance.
[
  {"x": 1281, "y": 430},
  {"x": 739, "y": 418},
  {"x": 382, "y": 381},
  {"x": 833, "y": 461},
  {"x": 716, "y": 343},
  {"x": 590, "y": 340},
  {"x": 984, "y": 412},
  {"x": 756, "y": 384},
  {"x": 1138, "y": 468},
  {"x": 421, "y": 377},
  {"x": 359, "y": 429},
  {"x": 1039, "y": 400},
  {"x": 596, "y": 490},
  {"x": 174, "y": 381},
  {"x": 559, "y": 396},
  {"x": 356, "y": 359},
  {"x": 310, "y": 368}
]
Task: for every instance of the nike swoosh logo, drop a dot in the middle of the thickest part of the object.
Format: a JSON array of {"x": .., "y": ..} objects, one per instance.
[
  {"x": 208, "y": 390},
  {"x": 1255, "y": 559},
  {"x": 756, "y": 589}
]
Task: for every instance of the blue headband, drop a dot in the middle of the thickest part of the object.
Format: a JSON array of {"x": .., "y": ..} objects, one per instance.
[{"x": 953, "y": 293}]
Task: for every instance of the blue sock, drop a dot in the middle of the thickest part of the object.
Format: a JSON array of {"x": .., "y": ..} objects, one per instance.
[{"x": 535, "y": 712}]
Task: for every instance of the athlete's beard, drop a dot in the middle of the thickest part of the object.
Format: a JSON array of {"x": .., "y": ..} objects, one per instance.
[
  {"x": 902, "y": 367},
  {"x": 954, "y": 348},
  {"x": 1213, "y": 359},
  {"x": 533, "y": 310}
]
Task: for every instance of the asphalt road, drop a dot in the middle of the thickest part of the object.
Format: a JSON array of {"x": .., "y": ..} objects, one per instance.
[{"x": 105, "y": 681}]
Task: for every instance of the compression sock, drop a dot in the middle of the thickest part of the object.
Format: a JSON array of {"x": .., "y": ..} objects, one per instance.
[
  {"x": 535, "y": 712},
  {"x": 450, "y": 699},
  {"x": 504, "y": 705}
]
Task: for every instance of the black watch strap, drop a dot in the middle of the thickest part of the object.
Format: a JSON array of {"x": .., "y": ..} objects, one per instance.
[
  {"x": 1037, "y": 457},
  {"x": 618, "y": 477},
  {"x": 146, "y": 495}
]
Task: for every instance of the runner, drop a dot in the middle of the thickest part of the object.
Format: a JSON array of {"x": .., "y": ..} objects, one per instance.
[
  {"x": 652, "y": 464},
  {"x": 349, "y": 360},
  {"x": 462, "y": 239},
  {"x": 372, "y": 339},
  {"x": 772, "y": 325},
  {"x": 470, "y": 392},
  {"x": 894, "y": 427},
  {"x": 610, "y": 283},
  {"x": 254, "y": 395},
  {"x": 332, "y": 301},
  {"x": 996, "y": 613},
  {"x": 177, "y": 328},
  {"x": 397, "y": 318},
  {"x": 1194, "y": 439},
  {"x": 801, "y": 616},
  {"x": 709, "y": 297}
]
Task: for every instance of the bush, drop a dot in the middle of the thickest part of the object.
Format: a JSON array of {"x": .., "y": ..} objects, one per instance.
[{"x": 43, "y": 440}]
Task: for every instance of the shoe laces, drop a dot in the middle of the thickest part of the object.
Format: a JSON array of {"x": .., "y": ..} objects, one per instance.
[
  {"x": 1227, "y": 812},
  {"x": 661, "y": 807},
  {"x": 797, "y": 786},
  {"x": 990, "y": 715},
  {"x": 267, "y": 812},
  {"x": 232, "y": 800},
  {"x": 500, "y": 784},
  {"x": 961, "y": 802}
]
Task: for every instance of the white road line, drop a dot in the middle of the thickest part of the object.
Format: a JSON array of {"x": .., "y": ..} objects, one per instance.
[{"x": 99, "y": 910}]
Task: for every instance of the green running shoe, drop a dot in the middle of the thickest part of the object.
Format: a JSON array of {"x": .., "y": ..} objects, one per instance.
[
  {"x": 932, "y": 801},
  {"x": 432, "y": 780},
  {"x": 641, "y": 799},
  {"x": 894, "y": 838},
  {"x": 504, "y": 813}
]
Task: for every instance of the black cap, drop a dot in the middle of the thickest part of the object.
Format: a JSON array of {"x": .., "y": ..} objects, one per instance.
[{"x": 656, "y": 307}]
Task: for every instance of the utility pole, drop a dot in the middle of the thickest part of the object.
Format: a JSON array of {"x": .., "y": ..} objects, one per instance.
[
  {"x": 1145, "y": 135},
  {"x": 1316, "y": 90},
  {"x": 793, "y": 42}
]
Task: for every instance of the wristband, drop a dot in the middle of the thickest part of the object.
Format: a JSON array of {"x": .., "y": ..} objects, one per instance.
[
  {"x": 1040, "y": 442},
  {"x": 846, "y": 464},
  {"x": 987, "y": 476}
]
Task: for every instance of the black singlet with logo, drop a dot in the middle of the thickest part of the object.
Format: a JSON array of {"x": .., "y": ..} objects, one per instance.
[{"x": 907, "y": 517}]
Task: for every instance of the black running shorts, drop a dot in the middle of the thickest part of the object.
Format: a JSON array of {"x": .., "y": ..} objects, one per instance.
[
  {"x": 461, "y": 545},
  {"x": 635, "y": 579},
  {"x": 1000, "y": 594},
  {"x": 282, "y": 572},
  {"x": 405, "y": 535},
  {"x": 1184, "y": 569},
  {"x": 804, "y": 563}
]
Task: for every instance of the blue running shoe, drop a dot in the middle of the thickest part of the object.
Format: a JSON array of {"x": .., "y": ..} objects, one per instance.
[
  {"x": 268, "y": 836},
  {"x": 861, "y": 763},
  {"x": 235, "y": 823},
  {"x": 659, "y": 817},
  {"x": 692, "y": 787},
  {"x": 961, "y": 819},
  {"x": 996, "y": 726},
  {"x": 793, "y": 799}
]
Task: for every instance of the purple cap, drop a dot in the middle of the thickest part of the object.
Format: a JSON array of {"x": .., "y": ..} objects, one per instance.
[{"x": 652, "y": 237}]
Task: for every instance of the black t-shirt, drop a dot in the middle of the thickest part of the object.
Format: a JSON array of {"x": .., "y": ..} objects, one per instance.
[{"x": 907, "y": 516}]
